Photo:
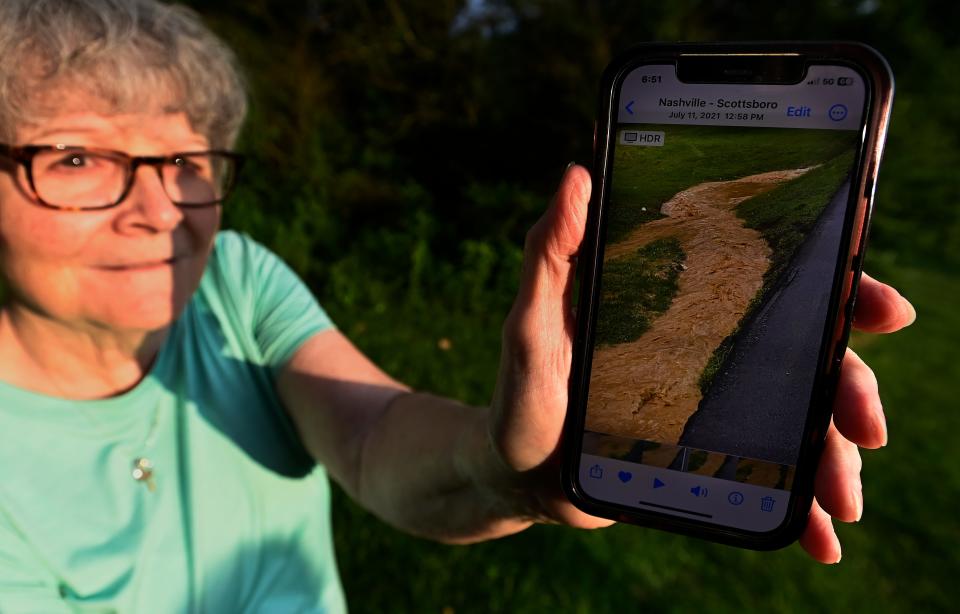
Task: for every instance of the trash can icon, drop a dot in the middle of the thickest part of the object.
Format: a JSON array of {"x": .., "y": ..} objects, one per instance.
[{"x": 766, "y": 504}]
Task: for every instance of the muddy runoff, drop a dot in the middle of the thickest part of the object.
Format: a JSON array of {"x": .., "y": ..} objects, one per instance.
[{"x": 648, "y": 388}]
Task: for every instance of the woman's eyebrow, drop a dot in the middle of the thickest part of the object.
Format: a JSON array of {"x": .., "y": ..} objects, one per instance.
[
  {"x": 187, "y": 145},
  {"x": 66, "y": 129}
]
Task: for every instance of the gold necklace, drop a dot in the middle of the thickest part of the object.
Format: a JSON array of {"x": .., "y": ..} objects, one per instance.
[{"x": 142, "y": 469}]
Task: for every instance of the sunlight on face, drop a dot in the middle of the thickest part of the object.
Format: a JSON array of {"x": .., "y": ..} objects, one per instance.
[{"x": 110, "y": 268}]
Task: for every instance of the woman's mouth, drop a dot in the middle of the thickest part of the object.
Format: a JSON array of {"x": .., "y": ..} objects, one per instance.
[{"x": 141, "y": 266}]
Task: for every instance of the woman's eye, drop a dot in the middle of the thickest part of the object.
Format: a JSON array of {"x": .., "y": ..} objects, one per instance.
[
  {"x": 74, "y": 161},
  {"x": 191, "y": 166}
]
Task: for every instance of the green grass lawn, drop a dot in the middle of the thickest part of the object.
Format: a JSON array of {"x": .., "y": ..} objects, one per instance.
[
  {"x": 902, "y": 556},
  {"x": 646, "y": 177}
]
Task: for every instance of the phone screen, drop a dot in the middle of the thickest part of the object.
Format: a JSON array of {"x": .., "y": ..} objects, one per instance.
[{"x": 723, "y": 233}]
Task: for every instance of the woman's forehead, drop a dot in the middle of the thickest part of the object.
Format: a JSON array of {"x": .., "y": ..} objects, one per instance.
[{"x": 159, "y": 129}]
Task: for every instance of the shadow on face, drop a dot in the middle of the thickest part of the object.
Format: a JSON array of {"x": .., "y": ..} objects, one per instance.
[{"x": 129, "y": 268}]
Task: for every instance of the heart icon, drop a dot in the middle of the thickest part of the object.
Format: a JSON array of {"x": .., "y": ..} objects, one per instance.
[{"x": 624, "y": 476}]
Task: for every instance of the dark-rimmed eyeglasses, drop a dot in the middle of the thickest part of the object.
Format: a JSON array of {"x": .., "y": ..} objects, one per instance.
[{"x": 85, "y": 178}]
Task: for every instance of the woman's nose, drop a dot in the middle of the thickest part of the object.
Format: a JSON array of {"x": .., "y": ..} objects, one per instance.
[{"x": 150, "y": 200}]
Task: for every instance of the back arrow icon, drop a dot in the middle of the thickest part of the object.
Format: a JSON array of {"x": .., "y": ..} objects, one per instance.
[{"x": 629, "y": 107}]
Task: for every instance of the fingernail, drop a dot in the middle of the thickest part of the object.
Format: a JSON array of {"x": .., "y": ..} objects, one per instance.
[
  {"x": 883, "y": 425},
  {"x": 839, "y": 555},
  {"x": 911, "y": 311},
  {"x": 569, "y": 166},
  {"x": 858, "y": 499}
]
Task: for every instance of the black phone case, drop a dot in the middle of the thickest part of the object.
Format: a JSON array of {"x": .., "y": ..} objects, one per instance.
[{"x": 879, "y": 95}]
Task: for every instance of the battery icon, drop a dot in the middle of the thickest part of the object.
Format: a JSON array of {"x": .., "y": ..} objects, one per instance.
[{"x": 844, "y": 80}]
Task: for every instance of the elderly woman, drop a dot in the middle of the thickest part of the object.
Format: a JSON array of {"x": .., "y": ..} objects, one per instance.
[{"x": 172, "y": 397}]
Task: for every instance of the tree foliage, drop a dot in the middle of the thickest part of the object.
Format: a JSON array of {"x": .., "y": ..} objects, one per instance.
[
  {"x": 400, "y": 150},
  {"x": 366, "y": 113}
]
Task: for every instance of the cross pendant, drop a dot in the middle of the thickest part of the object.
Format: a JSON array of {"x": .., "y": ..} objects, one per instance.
[{"x": 143, "y": 472}]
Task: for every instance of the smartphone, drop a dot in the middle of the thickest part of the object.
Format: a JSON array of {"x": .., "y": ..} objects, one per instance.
[{"x": 733, "y": 184}]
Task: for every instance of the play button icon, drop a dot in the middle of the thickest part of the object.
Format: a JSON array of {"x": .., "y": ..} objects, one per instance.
[{"x": 657, "y": 483}]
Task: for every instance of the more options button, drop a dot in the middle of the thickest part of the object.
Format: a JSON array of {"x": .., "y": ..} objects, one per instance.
[{"x": 837, "y": 112}]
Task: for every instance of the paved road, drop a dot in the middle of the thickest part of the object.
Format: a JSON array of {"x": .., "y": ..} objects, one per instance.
[{"x": 757, "y": 405}]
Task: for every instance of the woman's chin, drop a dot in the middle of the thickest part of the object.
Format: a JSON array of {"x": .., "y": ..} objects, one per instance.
[
  {"x": 142, "y": 310},
  {"x": 143, "y": 300},
  {"x": 153, "y": 317}
]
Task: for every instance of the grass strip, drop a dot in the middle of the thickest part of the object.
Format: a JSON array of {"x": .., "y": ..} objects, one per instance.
[
  {"x": 636, "y": 288},
  {"x": 784, "y": 216}
]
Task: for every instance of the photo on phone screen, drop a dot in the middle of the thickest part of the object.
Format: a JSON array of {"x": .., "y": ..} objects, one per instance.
[{"x": 724, "y": 229}]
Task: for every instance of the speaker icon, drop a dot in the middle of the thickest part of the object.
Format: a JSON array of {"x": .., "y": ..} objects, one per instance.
[{"x": 698, "y": 491}]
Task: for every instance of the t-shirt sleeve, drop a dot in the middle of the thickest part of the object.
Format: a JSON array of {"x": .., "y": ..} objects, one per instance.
[{"x": 283, "y": 311}]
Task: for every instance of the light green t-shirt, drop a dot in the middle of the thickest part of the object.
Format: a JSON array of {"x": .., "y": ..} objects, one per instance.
[{"x": 239, "y": 518}]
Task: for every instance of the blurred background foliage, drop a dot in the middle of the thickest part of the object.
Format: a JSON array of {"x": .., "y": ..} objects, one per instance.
[{"x": 400, "y": 150}]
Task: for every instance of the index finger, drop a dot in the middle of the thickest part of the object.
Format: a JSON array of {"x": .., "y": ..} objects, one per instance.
[{"x": 880, "y": 308}]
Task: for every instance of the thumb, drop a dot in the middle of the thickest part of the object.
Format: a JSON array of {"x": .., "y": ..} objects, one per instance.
[
  {"x": 531, "y": 394},
  {"x": 530, "y": 400},
  {"x": 551, "y": 246}
]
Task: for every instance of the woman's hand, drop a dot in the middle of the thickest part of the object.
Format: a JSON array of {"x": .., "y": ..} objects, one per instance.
[{"x": 530, "y": 401}]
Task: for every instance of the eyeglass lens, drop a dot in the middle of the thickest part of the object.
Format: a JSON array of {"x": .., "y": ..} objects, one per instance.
[{"x": 95, "y": 179}]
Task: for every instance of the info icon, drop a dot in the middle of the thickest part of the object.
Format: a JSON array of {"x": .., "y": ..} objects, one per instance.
[{"x": 735, "y": 498}]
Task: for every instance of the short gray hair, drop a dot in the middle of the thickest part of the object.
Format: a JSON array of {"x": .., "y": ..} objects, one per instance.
[{"x": 121, "y": 56}]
